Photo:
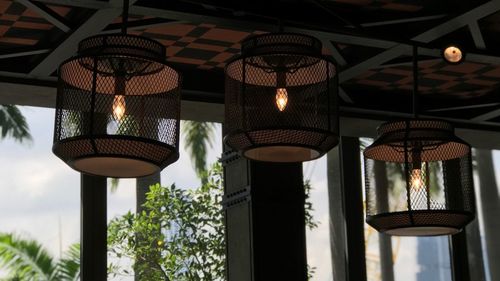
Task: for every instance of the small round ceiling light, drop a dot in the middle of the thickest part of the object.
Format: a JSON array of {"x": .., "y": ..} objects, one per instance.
[
  {"x": 281, "y": 99},
  {"x": 453, "y": 54},
  {"x": 118, "y": 107}
]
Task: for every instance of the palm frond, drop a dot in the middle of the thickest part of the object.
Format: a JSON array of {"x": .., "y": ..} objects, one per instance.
[
  {"x": 68, "y": 268},
  {"x": 114, "y": 182},
  {"x": 13, "y": 124},
  {"x": 25, "y": 259},
  {"x": 198, "y": 138}
]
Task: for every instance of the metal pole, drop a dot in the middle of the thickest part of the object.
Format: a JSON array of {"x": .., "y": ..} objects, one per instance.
[
  {"x": 415, "y": 82},
  {"x": 125, "y": 16},
  {"x": 93, "y": 228}
]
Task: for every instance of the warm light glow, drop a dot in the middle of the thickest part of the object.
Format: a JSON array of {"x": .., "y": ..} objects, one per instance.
[
  {"x": 281, "y": 98},
  {"x": 453, "y": 54},
  {"x": 118, "y": 107},
  {"x": 416, "y": 179}
]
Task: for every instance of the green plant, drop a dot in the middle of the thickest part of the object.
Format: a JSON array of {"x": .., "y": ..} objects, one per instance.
[
  {"x": 178, "y": 236},
  {"x": 13, "y": 124},
  {"x": 198, "y": 137},
  {"x": 27, "y": 260}
]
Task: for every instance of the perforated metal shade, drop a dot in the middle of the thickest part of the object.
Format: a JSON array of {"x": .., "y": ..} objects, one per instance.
[
  {"x": 118, "y": 108},
  {"x": 281, "y": 99},
  {"x": 418, "y": 179}
]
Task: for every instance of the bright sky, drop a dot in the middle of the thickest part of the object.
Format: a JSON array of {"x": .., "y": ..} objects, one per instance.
[{"x": 41, "y": 195}]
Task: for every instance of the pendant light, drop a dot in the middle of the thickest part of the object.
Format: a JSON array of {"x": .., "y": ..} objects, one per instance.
[
  {"x": 418, "y": 176},
  {"x": 281, "y": 99},
  {"x": 118, "y": 107}
]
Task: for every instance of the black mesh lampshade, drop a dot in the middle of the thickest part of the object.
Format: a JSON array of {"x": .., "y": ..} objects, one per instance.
[
  {"x": 281, "y": 99},
  {"x": 117, "y": 110},
  {"x": 418, "y": 179}
]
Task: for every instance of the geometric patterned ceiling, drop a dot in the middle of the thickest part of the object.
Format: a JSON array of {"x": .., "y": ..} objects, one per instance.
[
  {"x": 370, "y": 39},
  {"x": 20, "y": 26},
  {"x": 466, "y": 80},
  {"x": 204, "y": 45}
]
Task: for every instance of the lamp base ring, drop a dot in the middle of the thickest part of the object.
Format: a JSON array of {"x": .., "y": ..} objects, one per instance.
[
  {"x": 115, "y": 167},
  {"x": 284, "y": 145},
  {"x": 420, "y": 222},
  {"x": 115, "y": 156},
  {"x": 282, "y": 153}
]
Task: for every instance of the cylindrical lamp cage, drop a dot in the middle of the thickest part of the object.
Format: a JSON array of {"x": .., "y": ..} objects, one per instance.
[
  {"x": 118, "y": 108},
  {"x": 281, "y": 99},
  {"x": 418, "y": 179}
]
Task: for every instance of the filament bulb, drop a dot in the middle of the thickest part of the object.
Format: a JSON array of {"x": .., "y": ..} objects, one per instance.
[
  {"x": 416, "y": 179},
  {"x": 119, "y": 98},
  {"x": 118, "y": 107},
  {"x": 281, "y": 98}
]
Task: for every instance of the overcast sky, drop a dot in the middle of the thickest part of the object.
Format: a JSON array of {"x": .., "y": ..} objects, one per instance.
[{"x": 40, "y": 197}]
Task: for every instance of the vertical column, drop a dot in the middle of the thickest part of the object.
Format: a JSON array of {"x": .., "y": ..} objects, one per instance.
[
  {"x": 384, "y": 240},
  {"x": 93, "y": 228},
  {"x": 337, "y": 225},
  {"x": 458, "y": 243},
  {"x": 490, "y": 208},
  {"x": 346, "y": 211},
  {"x": 475, "y": 254},
  {"x": 265, "y": 220},
  {"x": 458, "y": 257}
]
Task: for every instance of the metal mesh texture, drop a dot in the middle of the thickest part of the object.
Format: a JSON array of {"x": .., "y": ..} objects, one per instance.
[
  {"x": 254, "y": 81},
  {"x": 124, "y": 44},
  {"x": 128, "y": 55},
  {"x": 418, "y": 174},
  {"x": 129, "y": 110}
]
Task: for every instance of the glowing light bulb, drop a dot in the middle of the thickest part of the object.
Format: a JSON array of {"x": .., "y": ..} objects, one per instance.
[
  {"x": 281, "y": 98},
  {"x": 118, "y": 107},
  {"x": 416, "y": 179},
  {"x": 453, "y": 54}
]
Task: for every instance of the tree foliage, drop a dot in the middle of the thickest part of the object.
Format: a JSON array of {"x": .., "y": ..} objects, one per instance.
[
  {"x": 198, "y": 137},
  {"x": 27, "y": 260},
  {"x": 13, "y": 124},
  {"x": 311, "y": 223},
  {"x": 178, "y": 237}
]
